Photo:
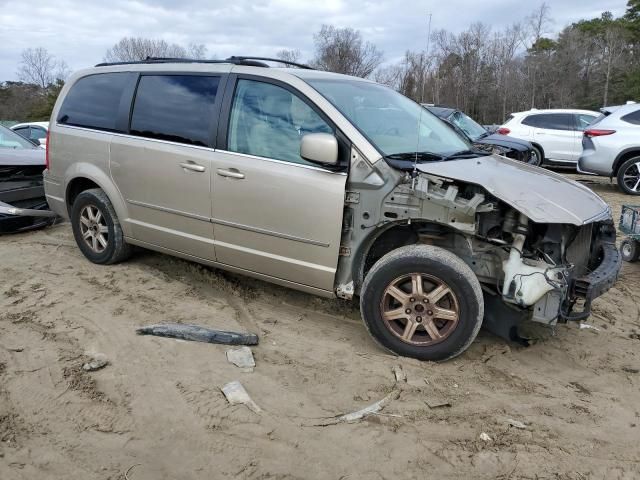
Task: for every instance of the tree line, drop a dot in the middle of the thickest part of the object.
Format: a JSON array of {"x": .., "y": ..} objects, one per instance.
[{"x": 488, "y": 74}]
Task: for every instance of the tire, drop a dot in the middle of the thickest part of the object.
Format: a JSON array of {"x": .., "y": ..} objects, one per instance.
[
  {"x": 536, "y": 158},
  {"x": 629, "y": 176},
  {"x": 97, "y": 230},
  {"x": 446, "y": 281},
  {"x": 629, "y": 250}
]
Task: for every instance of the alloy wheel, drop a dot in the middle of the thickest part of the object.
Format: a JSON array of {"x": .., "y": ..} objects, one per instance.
[
  {"x": 94, "y": 229},
  {"x": 631, "y": 177},
  {"x": 420, "y": 309}
]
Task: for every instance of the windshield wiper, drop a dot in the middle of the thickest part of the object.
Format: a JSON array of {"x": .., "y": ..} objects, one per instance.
[
  {"x": 415, "y": 156},
  {"x": 469, "y": 153}
]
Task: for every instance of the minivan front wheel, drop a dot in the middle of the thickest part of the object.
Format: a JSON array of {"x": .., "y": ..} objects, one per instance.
[
  {"x": 96, "y": 228},
  {"x": 629, "y": 176},
  {"x": 423, "y": 302}
]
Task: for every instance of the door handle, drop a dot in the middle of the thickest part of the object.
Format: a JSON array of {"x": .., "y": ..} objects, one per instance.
[
  {"x": 231, "y": 173},
  {"x": 193, "y": 167}
]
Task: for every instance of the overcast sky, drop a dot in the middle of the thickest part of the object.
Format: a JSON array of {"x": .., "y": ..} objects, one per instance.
[{"x": 80, "y": 31}]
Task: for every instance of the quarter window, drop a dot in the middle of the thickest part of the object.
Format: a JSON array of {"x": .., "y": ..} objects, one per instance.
[
  {"x": 178, "y": 108},
  {"x": 633, "y": 117},
  {"x": 94, "y": 101},
  {"x": 583, "y": 121},
  {"x": 270, "y": 121}
]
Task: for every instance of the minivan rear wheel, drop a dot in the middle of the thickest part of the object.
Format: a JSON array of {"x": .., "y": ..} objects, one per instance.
[
  {"x": 96, "y": 228},
  {"x": 629, "y": 176},
  {"x": 423, "y": 302}
]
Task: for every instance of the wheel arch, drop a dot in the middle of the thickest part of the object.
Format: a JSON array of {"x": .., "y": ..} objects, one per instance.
[
  {"x": 539, "y": 147},
  {"x": 384, "y": 240},
  {"x": 85, "y": 176},
  {"x": 622, "y": 157}
]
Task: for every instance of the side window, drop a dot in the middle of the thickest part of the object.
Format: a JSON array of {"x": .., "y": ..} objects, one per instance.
[
  {"x": 269, "y": 121},
  {"x": 24, "y": 131},
  {"x": 94, "y": 101},
  {"x": 583, "y": 120},
  {"x": 633, "y": 117},
  {"x": 179, "y": 108},
  {"x": 551, "y": 121}
]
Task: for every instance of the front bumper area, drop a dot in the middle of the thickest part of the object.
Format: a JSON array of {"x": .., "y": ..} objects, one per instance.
[{"x": 583, "y": 289}]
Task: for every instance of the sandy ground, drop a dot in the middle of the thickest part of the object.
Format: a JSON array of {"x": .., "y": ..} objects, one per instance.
[{"x": 157, "y": 407}]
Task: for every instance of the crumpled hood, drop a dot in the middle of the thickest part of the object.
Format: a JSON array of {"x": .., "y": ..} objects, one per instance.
[
  {"x": 542, "y": 195},
  {"x": 504, "y": 141},
  {"x": 21, "y": 156}
]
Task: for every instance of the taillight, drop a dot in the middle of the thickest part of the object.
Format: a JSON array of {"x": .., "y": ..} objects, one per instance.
[
  {"x": 46, "y": 153},
  {"x": 503, "y": 131},
  {"x": 595, "y": 132}
]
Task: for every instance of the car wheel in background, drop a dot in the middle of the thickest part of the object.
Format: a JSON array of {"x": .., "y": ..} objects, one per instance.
[
  {"x": 629, "y": 176},
  {"x": 97, "y": 230},
  {"x": 630, "y": 250},
  {"x": 536, "y": 157},
  {"x": 423, "y": 302}
]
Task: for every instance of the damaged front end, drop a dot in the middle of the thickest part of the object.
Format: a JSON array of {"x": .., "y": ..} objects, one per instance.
[
  {"x": 542, "y": 247},
  {"x": 22, "y": 201}
]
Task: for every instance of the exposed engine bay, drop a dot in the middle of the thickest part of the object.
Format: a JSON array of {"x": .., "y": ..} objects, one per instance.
[{"x": 530, "y": 270}]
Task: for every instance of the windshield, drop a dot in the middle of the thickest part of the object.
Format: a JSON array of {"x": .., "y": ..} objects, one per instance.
[
  {"x": 10, "y": 139},
  {"x": 468, "y": 125},
  {"x": 393, "y": 123}
]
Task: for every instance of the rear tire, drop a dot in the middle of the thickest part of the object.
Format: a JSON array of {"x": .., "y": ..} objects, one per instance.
[
  {"x": 630, "y": 250},
  {"x": 423, "y": 302},
  {"x": 629, "y": 176},
  {"x": 97, "y": 230}
]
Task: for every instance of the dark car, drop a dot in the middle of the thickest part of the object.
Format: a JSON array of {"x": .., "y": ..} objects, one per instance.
[
  {"x": 483, "y": 139},
  {"x": 23, "y": 205}
]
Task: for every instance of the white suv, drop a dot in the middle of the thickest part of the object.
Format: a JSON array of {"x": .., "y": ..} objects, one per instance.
[{"x": 555, "y": 134}]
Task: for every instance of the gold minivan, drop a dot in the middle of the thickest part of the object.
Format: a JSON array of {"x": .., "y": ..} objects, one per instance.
[{"x": 329, "y": 184}]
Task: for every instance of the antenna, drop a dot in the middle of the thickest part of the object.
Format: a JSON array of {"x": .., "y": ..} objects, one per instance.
[
  {"x": 415, "y": 161},
  {"x": 426, "y": 54}
]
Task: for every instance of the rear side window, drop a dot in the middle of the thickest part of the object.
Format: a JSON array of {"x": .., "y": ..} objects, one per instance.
[
  {"x": 583, "y": 120},
  {"x": 94, "y": 101},
  {"x": 509, "y": 118},
  {"x": 178, "y": 108},
  {"x": 551, "y": 121},
  {"x": 633, "y": 117}
]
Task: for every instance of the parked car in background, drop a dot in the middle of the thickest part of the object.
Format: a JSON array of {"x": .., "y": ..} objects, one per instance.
[
  {"x": 555, "y": 134},
  {"x": 611, "y": 146},
  {"x": 483, "y": 139},
  {"x": 22, "y": 201},
  {"x": 35, "y": 131}
]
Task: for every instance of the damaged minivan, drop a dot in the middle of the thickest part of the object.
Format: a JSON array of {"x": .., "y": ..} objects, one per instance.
[{"x": 329, "y": 184}]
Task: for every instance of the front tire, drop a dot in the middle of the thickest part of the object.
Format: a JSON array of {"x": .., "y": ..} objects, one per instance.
[
  {"x": 536, "y": 158},
  {"x": 423, "y": 302},
  {"x": 97, "y": 230},
  {"x": 630, "y": 250},
  {"x": 629, "y": 176}
]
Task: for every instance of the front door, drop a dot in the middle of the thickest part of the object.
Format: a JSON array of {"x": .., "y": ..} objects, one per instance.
[
  {"x": 163, "y": 167},
  {"x": 556, "y": 133},
  {"x": 275, "y": 213}
]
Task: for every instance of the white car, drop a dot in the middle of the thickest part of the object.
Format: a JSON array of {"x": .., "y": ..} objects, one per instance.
[
  {"x": 35, "y": 131},
  {"x": 556, "y": 134}
]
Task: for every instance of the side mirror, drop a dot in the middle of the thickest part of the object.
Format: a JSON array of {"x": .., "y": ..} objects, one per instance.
[{"x": 319, "y": 147}]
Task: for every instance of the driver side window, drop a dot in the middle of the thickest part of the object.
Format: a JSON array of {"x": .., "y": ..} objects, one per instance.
[{"x": 270, "y": 121}]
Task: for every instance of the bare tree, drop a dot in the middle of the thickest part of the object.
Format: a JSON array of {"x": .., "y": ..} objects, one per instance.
[
  {"x": 131, "y": 49},
  {"x": 289, "y": 55},
  {"x": 343, "y": 50},
  {"x": 39, "y": 67}
]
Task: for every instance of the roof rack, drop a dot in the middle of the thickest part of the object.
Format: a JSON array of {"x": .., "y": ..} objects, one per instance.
[{"x": 235, "y": 60}]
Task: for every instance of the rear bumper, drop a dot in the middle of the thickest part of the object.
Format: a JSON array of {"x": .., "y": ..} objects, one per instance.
[{"x": 595, "y": 161}]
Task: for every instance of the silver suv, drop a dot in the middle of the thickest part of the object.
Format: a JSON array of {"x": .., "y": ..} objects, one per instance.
[
  {"x": 329, "y": 184},
  {"x": 611, "y": 147}
]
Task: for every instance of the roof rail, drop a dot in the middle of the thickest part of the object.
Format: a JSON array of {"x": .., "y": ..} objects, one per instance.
[
  {"x": 248, "y": 61},
  {"x": 243, "y": 60}
]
